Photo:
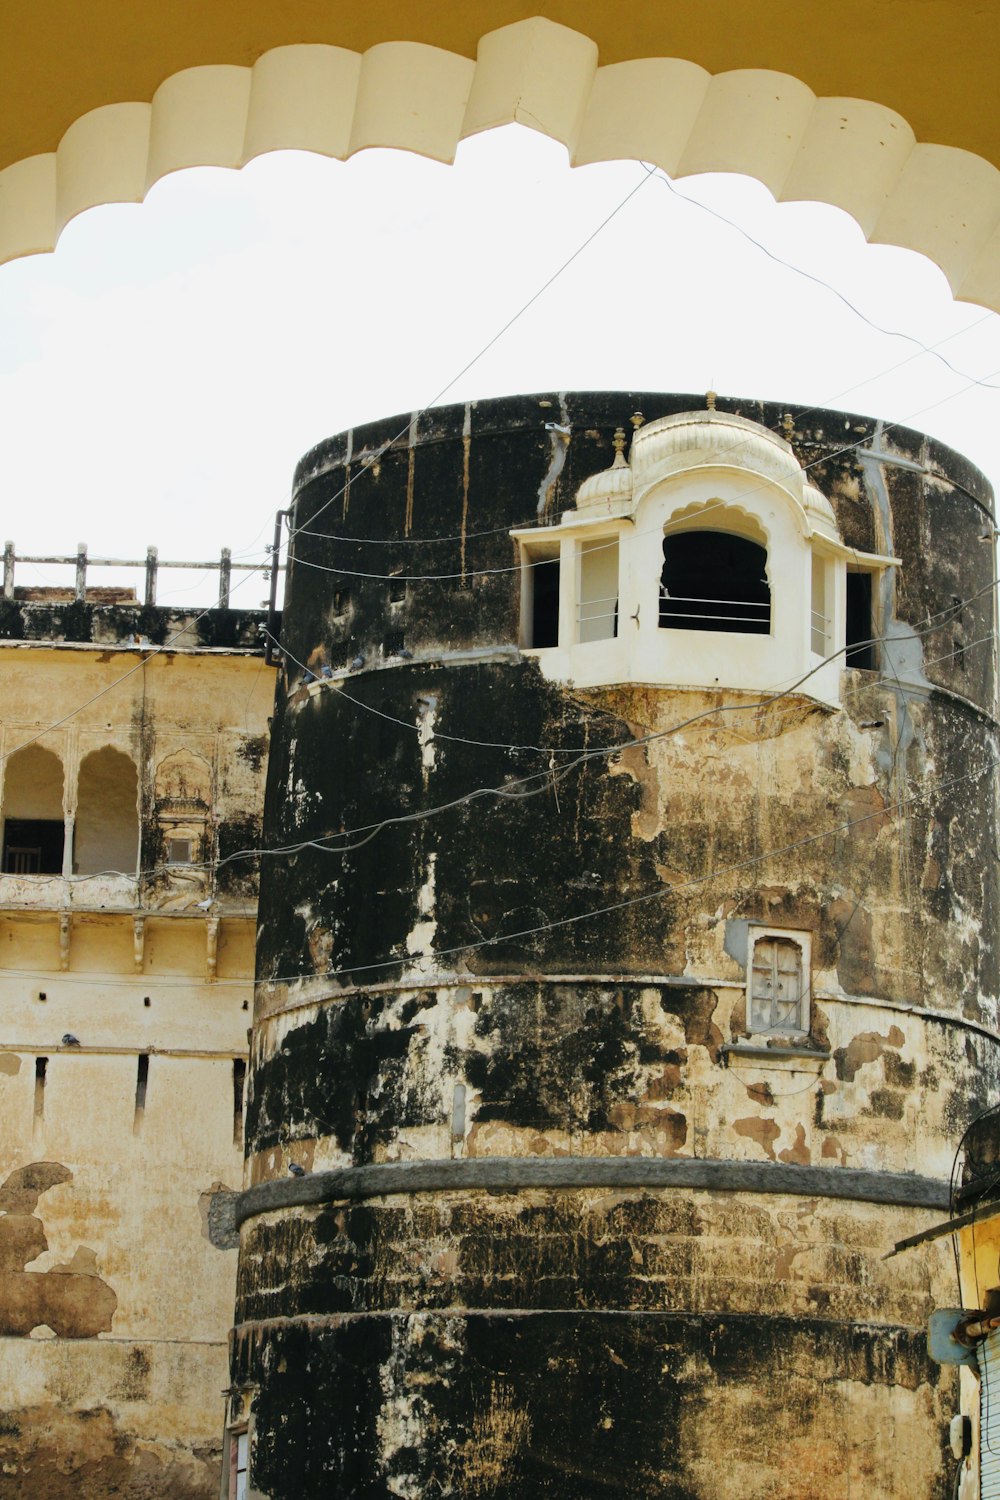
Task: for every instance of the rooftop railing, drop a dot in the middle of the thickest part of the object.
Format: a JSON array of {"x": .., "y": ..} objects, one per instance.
[{"x": 81, "y": 562}]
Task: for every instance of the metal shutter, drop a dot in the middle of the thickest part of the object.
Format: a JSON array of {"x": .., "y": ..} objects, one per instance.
[{"x": 988, "y": 1357}]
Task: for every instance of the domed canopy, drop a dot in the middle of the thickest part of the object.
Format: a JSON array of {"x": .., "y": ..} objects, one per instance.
[{"x": 700, "y": 440}]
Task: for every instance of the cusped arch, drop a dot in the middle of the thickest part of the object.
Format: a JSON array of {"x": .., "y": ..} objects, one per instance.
[
  {"x": 183, "y": 778},
  {"x": 857, "y": 154},
  {"x": 33, "y": 797},
  {"x": 106, "y": 833},
  {"x": 712, "y": 513}
]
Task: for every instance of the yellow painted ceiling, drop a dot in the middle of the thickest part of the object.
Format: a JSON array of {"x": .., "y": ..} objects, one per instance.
[{"x": 934, "y": 61}]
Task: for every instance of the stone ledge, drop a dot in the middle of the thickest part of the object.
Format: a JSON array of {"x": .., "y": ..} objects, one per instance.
[{"x": 505, "y": 1174}]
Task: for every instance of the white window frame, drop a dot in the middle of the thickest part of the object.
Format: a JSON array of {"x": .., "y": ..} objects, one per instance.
[
  {"x": 548, "y": 551},
  {"x": 803, "y": 942},
  {"x": 239, "y": 1463}
]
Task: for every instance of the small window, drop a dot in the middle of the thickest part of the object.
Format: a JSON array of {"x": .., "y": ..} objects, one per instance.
[
  {"x": 539, "y": 599},
  {"x": 714, "y": 580},
  {"x": 778, "y": 998},
  {"x": 179, "y": 851},
  {"x": 239, "y": 1461},
  {"x": 860, "y": 626}
]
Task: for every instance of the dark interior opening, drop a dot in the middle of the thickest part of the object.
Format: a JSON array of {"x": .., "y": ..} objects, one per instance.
[
  {"x": 712, "y": 580},
  {"x": 860, "y": 646},
  {"x": 239, "y": 1082},
  {"x": 41, "y": 1064},
  {"x": 545, "y": 603},
  {"x": 33, "y": 846}
]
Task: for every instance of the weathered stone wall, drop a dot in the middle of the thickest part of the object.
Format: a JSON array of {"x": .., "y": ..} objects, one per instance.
[
  {"x": 549, "y": 963},
  {"x": 114, "y": 1302}
]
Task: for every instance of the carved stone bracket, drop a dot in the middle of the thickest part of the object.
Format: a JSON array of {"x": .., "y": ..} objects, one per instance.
[
  {"x": 64, "y": 937},
  {"x": 212, "y": 946}
]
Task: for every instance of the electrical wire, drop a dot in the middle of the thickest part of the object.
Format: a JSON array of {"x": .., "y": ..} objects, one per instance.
[
  {"x": 545, "y": 778},
  {"x": 648, "y": 172},
  {"x": 375, "y": 457},
  {"x": 894, "y": 333},
  {"x": 921, "y": 349},
  {"x": 737, "y": 867},
  {"x": 273, "y": 560},
  {"x": 146, "y": 653},
  {"x": 857, "y": 446}
]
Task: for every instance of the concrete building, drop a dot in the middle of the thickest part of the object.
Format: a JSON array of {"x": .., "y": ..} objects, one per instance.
[
  {"x": 131, "y": 775},
  {"x": 631, "y": 966}
]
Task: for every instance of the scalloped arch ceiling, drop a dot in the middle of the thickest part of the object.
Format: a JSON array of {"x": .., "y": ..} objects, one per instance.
[{"x": 882, "y": 107}]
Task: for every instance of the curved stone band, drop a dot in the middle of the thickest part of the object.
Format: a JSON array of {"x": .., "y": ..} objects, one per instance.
[{"x": 503, "y": 1174}]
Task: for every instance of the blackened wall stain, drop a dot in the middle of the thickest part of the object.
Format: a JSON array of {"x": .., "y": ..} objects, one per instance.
[
  {"x": 503, "y": 1395},
  {"x": 343, "y": 1074},
  {"x": 118, "y": 624},
  {"x": 522, "y": 935},
  {"x": 647, "y": 1252}
]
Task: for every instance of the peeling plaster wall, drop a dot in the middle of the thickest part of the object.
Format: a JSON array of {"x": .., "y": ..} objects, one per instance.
[
  {"x": 114, "y": 1300},
  {"x": 671, "y": 1342}
]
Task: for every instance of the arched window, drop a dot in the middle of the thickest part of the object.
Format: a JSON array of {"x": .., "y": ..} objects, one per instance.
[
  {"x": 714, "y": 580},
  {"x": 107, "y": 814},
  {"x": 33, "y": 828}
]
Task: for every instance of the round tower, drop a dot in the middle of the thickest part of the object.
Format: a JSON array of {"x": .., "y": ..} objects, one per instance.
[{"x": 627, "y": 963}]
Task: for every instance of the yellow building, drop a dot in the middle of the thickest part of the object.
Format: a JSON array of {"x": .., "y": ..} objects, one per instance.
[{"x": 132, "y": 774}]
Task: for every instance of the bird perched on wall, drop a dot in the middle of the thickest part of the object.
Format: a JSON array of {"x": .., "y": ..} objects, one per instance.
[
  {"x": 69, "y": 1040},
  {"x": 296, "y": 1170},
  {"x": 357, "y": 663}
]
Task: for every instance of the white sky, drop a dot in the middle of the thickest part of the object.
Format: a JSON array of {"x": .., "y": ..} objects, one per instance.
[{"x": 163, "y": 371}]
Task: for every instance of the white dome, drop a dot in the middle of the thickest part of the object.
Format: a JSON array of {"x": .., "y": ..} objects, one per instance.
[
  {"x": 698, "y": 439},
  {"x": 608, "y": 488}
]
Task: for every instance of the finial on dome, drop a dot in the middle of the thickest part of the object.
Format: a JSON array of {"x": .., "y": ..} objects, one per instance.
[
  {"x": 788, "y": 424},
  {"x": 710, "y": 399},
  {"x": 637, "y": 419},
  {"x": 619, "y": 441}
]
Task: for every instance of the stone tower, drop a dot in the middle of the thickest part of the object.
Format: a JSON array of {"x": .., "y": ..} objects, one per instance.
[{"x": 630, "y": 965}]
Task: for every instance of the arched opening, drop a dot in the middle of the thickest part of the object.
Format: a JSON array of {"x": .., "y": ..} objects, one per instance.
[
  {"x": 714, "y": 580},
  {"x": 33, "y": 828},
  {"x": 107, "y": 815}
]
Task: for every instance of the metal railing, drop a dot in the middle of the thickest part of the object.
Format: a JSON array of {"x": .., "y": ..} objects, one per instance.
[
  {"x": 676, "y": 607},
  {"x": 151, "y": 564}
]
